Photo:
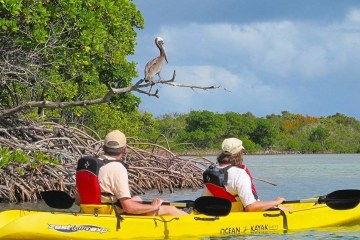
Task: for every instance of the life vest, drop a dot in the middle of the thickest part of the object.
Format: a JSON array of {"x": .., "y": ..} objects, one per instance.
[
  {"x": 252, "y": 184},
  {"x": 87, "y": 182},
  {"x": 215, "y": 179}
]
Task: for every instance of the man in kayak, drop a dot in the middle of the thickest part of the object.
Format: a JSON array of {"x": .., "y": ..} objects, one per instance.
[
  {"x": 230, "y": 179},
  {"x": 113, "y": 180}
]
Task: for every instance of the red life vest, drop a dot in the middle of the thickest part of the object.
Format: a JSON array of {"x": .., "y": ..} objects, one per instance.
[
  {"x": 87, "y": 181},
  {"x": 252, "y": 184},
  {"x": 215, "y": 179}
]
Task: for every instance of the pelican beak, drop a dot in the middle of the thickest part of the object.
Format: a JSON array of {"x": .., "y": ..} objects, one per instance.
[
  {"x": 165, "y": 55},
  {"x": 166, "y": 58}
]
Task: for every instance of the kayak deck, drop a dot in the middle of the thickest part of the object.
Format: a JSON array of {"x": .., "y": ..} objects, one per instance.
[{"x": 27, "y": 224}]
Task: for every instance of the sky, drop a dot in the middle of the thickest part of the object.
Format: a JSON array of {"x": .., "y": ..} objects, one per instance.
[{"x": 267, "y": 56}]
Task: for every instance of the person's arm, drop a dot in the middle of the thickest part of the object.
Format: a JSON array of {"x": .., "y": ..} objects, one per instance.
[
  {"x": 134, "y": 207},
  {"x": 259, "y": 206},
  {"x": 243, "y": 186}
]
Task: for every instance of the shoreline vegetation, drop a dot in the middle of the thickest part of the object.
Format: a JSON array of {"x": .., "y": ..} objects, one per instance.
[
  {"x": 274, "y": 134},
  {"x": 43, "y": 156},
  {"x": 215, "y": 153}
]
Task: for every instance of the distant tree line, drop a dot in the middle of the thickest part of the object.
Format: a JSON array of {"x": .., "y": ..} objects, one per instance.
[{"x": 274, "y": 133}]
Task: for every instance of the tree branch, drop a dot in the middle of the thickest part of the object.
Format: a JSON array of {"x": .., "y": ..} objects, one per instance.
[{"x": 138, "y": 87}]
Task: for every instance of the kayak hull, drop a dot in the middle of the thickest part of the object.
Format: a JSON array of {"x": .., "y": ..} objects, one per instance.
[{"x": 28, "y": 224}]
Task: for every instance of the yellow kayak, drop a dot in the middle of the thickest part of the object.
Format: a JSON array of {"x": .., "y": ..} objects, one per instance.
[{"x": 30, "y": 224}]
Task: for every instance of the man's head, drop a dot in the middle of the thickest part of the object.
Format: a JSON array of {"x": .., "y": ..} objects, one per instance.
[
  {"x": 232, "y": 152},
  {"x": 231, "y": 146},
  {"x": 114, "y": 143}
]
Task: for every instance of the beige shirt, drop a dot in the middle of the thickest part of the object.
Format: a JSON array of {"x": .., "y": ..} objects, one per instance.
[{"x": 113, "y": 178}]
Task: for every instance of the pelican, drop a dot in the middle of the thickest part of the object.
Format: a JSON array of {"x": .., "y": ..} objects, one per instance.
[{"x": 154, "y": 66}]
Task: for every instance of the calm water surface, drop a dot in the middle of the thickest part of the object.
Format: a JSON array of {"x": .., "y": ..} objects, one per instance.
[{"x": 297, "y": 177}]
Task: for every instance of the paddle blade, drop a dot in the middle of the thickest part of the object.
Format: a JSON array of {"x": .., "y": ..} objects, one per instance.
[
  {"x": 342, "y": 199},
  {"x": 212, "y": 206},
  {"x": 342, "y": 204},
  {"x": 344, "y": 194},
  {"x": 57, "y": 199}
]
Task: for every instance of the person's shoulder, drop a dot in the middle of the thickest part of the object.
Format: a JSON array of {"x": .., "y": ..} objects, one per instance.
[
  {"x": 236, "y": 170},
  {"x": 114, "y": 165}
]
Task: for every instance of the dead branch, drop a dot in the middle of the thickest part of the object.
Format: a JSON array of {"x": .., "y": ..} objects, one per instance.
[
  {"x": 151, "y": 166},
  {"x": 106, "y": 99}
]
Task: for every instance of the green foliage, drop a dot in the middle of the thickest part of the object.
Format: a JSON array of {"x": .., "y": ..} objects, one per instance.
[
  {"x": 250, "y": 146},
  {"x": 7, "y": 156},
  {"x": 287, "y": 132},
  {"x": 319, "y": 134},
  {"x": 40, "y": 157},
  {"x": 288, "y": 143},
  {"x": 170, "y": 125},
  {"x": 203, "y": 128},
  {"x": 104, "y": 118},
  {"x": 265, "y": 133},
  {"x": 79, "y": 48},
  {"x": 239, "y": 124},
  {"x": 34, "y": 158}
]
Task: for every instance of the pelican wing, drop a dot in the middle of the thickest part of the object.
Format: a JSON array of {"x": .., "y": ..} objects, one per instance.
[{"x": 153, "y": 67}]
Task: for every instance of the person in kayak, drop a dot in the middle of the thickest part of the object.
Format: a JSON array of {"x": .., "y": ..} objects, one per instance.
[
  {"x": 232, "y": 180},
  {"x": 113, "y": 180}
]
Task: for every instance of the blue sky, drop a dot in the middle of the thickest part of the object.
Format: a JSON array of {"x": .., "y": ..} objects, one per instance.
[{"x": 301, "y": 56}]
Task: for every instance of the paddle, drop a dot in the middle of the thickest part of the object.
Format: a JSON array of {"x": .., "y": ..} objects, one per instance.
[
  {"x": 57, "y": 199},
  {"x": 207, "y": 205},
  {"x": 338, "y": 200}
]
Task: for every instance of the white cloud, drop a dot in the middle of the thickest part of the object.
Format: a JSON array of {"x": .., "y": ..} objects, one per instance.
[
  {"x": 353, "y": 16},
  {"x": 243, "y": 93},
  {"x": 268, "y": 66},
  {"x": 282, "y": 48},
  {"x": 201, "y": 76},
  {"x": 208, "y": 75}
]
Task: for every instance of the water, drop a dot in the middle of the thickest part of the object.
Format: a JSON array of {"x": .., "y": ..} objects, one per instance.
[{"x": 297, "y": 177}]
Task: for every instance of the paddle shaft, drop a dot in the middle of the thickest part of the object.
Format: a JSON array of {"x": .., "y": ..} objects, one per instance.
[
  {"x": 345, "y": 195},
  {"x": 185, "y": 204},
  {"x": 316, "y": 200},
  {"x": 307, "y": 200},
  {"x": 265, "y": 181},
  {"x": 338, "y": 200}
]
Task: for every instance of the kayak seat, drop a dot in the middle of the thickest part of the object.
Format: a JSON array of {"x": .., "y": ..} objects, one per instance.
[
  {"x": 97, "y": 208},
  {"x": 221, "y": 192},
  {"x": 87, "y": 180},
  {"x": 88, "y": 187}
]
